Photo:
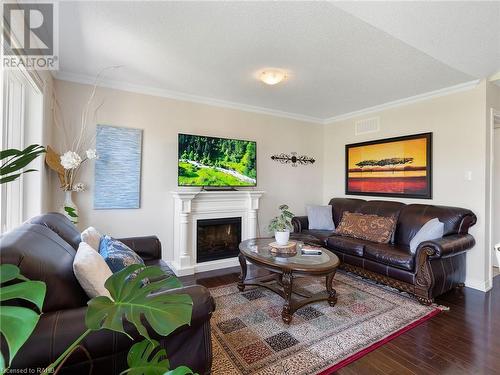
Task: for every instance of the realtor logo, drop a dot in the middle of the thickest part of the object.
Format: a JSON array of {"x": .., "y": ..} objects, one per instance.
[{"x": 29, "y": 35}]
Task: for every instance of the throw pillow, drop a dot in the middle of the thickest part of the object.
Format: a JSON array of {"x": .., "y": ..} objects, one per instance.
[
  {"x": 117, "y": 255},
  {"x": 320, "y": 217},
  {"x": 92, "y": 237},
  {"x": 367, "y": 227},
  {"x": 431, "y": 230},
  {"x": 91, "y": 271}
]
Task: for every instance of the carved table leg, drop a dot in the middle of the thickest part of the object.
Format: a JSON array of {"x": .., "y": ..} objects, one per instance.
[
  {"x": 332, "y": 293},
  {"x": 287, "y": 280},
  {"x": 243, "y": 274}
]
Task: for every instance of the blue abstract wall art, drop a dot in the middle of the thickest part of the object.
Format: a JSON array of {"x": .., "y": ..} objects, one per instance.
[{"x": 118, "y": 168}]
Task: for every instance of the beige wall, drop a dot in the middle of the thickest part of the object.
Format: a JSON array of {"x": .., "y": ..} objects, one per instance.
[
  {"x": 459, "y": 143},
  {"x": 162, "y": 119}
]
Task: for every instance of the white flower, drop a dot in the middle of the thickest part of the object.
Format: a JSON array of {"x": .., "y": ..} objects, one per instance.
[
  {"x": 91, "y": 154},
  {"x": 70, "y": 160},
  {"x": 79, "y": 187}
]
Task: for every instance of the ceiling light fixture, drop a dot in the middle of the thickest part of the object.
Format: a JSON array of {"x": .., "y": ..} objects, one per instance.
[{"x": 272, "y": 76}]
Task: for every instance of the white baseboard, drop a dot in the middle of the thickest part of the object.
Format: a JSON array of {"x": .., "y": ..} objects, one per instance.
[{"x": 482, "y": 285}]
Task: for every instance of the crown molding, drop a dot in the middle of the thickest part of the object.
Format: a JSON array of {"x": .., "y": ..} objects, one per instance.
[
  {"x": 147, "y": 90},
  {"x": 405, "y": 101}
]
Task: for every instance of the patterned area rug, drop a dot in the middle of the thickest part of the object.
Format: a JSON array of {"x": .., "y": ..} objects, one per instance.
[{"x": 249, "y": 336}]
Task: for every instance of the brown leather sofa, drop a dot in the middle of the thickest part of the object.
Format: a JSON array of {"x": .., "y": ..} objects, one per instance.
[
  {"x": 434, "y": 268},
  {"x": 43, "y": 249}
]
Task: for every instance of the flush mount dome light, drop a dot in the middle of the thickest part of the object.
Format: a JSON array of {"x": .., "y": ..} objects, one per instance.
[{"x": 272, "y": 76}]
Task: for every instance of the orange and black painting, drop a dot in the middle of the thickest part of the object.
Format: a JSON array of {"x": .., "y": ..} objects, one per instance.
[{"x": 393, "y": 167}]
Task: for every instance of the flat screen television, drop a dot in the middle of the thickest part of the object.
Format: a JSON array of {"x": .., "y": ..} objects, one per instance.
[{"x": 222, "y": 162}]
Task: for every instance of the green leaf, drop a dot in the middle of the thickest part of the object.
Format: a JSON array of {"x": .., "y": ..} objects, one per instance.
[
  {"x": 9, "y": 152},
  {"x": 8, "y": 272},
  {"x": 16, "y": 325},
  {"x": 131, "y": 300},
  {"x": 70, "y": 211},
  {"x": 146, "y": 358},
  {"x": 33, "y": 291},
  {"x": 2, "y": 364},
  {"x": 181, "y": 370},
  {"x": 13, "y": 177}
]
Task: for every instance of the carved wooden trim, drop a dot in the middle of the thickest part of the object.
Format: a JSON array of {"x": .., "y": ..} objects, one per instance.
[
  {"x": 401, "y": 285},
  {"x": 424, "y": 279}
]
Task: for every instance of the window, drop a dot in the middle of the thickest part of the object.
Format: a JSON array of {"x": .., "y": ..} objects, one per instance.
[{"x": 22, "y": 120}]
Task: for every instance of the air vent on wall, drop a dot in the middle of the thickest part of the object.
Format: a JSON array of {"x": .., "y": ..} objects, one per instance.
[{"x": 369, "y": 125}]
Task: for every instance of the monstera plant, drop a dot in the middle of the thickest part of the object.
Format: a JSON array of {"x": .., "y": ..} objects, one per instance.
[
  {"x": 17, "y": 322},
  {"x": 131, "y": 299}
]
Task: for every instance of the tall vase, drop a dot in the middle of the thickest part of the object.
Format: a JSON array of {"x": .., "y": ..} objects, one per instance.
[{"x": 69, "y": 208}]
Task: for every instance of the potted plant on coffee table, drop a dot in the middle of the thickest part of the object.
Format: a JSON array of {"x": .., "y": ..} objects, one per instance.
[{"x": 282, "y": 225}]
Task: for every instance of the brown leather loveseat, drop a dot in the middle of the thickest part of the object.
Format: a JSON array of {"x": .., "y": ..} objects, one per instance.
[
  {"x": 43, "y": 249},
  {"x": 434, "y": 268}
]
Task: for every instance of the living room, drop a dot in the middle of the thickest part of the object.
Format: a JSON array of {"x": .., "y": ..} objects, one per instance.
[{"x": 389, "y": 111}]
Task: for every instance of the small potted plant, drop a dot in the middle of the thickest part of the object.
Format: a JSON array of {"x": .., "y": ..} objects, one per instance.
[{"x": 281, "y": 225}]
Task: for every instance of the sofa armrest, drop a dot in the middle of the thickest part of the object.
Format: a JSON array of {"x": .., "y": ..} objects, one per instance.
[
  {"x": 57, "y": 330},
  {"x": 300, "y": 223},
  {"x": 148, "y": 247},
  {"x": 449, "y": 245}
]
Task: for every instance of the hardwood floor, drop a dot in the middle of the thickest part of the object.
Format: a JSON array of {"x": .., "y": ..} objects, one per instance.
[{"x": 463, "y": 340}]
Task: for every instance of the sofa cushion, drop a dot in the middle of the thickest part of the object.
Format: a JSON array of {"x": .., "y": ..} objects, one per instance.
[
  {"x": 313, "y": 236},
  {"x": 340, "y": 205},
  {"x": 92, "y": 237},
  {"x": 91, "y": 271},
  {"x": 367, "y": 227},
  {"x": 432, "y": 230},
  {"x": 117, "y": 255},
  {"x": 347, "y": 245},
  {"x": 414, "y": 216},
  {"x": 320, "y": 217},
  {"x": 390, "y": 255}
]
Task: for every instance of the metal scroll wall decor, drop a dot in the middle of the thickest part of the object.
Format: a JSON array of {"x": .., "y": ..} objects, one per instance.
[{"x": 293, "y": 159}]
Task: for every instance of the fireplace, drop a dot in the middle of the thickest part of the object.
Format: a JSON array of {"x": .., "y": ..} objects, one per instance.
[{"x": 217, "y": 238}]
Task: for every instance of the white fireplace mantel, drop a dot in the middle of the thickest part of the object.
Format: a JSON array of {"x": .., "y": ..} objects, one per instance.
[{"x": 192, "y": 205}]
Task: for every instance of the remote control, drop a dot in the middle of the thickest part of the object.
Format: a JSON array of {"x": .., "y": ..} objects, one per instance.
[{"x": 311, "y": 252}]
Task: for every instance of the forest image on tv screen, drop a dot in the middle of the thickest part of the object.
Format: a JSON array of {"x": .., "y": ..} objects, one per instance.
[{"x": 207, "y": 161}]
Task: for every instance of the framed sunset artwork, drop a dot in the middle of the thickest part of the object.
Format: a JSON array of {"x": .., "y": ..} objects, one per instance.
[{"x": 392, "y": 167}]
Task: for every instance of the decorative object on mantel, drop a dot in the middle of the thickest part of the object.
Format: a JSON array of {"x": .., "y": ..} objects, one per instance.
[
  {"x": 120, "y": 152},
  {"x": 281, "y": 225},
  {"x": 293, "y": 159},
  {"x": 290, "y": 248},
  {"x": 76, "y": 152}
]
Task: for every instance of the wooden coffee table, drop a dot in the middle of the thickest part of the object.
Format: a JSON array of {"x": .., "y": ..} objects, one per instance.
[{"x": 283, "y": 269}]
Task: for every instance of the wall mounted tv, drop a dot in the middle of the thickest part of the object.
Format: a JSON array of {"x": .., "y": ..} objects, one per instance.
[{"x": 210, "y": 161}]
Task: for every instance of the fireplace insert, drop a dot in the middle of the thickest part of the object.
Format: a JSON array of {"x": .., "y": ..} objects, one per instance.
[{"x": 217, "y": 238}]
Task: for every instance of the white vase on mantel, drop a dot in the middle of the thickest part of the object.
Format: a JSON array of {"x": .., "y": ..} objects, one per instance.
[{"x": 68, "y": 203}]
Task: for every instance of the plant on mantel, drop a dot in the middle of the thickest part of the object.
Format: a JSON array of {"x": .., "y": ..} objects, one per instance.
[
  {"x": 76, "y": 153},
  {"x": 131, "y": 299}
]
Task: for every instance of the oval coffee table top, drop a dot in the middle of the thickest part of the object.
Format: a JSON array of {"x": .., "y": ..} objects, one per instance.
[{"x": 258, "y": 250}]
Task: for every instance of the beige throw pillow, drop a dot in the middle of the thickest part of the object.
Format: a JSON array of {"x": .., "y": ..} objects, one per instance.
[
  {"x": 92, "y": 237},
  {"x": 91, "y": 271}
]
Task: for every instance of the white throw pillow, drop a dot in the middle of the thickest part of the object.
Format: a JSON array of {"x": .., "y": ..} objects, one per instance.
[
  {"x": 92, "y": 237},
  {"x": 91, "y": 271},
  {"x": 320, "y": 217},
  {"x": 431, "y": 230}
]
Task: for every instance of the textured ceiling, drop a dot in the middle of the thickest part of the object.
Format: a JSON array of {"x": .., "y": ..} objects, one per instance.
[{"x": 342, "y": 56}]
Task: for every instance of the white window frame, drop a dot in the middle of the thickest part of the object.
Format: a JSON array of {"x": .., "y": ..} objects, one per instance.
[{"x": 20, "y": 94}]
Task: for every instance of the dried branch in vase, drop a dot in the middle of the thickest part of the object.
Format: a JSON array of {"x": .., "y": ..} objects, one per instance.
[{"x": 68, "y": 163}]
